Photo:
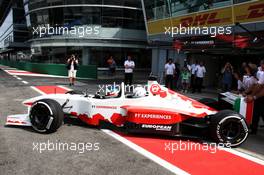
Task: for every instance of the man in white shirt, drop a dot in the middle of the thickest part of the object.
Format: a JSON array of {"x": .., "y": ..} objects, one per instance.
[
  {"x": 129, "y": 67},
  {"x": 72, "y": 66},
  {"x": 169, "y": 72},
  {"x": 260, "y": 73},
  {"x": 200, "y": 73}
]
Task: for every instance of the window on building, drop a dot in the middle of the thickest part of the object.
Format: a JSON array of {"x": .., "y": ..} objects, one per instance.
[{"x": 156, "y": 9}]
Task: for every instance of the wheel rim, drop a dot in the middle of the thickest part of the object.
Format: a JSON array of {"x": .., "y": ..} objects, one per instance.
[
  {"x": 231, "y": 129},
  {"x": 40, "y": 115}
]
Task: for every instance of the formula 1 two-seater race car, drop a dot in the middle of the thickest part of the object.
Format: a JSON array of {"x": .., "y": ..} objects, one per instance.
[{"x": 154, "y": 109}]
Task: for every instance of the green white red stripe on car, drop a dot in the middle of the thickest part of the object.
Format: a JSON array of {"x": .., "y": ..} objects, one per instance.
[{"x": 244, "y": 108}]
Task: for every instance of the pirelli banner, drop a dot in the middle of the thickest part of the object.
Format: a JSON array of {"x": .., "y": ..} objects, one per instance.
[{"x": 251, "y": 12}]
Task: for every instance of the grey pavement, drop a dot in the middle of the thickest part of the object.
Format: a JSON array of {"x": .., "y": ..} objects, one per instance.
[{"x": 16, "y": 144}]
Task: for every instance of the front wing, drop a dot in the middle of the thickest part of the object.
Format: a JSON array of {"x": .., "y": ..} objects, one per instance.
[{"x": 18, "y": 120}]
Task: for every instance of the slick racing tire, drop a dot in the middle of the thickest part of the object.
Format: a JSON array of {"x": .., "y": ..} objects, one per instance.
[
  {"x": 229, "y": 128},
  {"x": 46, "y": 116}
]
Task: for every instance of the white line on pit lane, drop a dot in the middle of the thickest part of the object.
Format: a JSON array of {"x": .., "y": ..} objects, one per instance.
[
  {"x": 245, "y": 156},
  {"x": 146, "y": 153},
  {"x": 10, "y": 68},
  {"x": 17, "y": 77},
  {"x": 25, "y": 82}
]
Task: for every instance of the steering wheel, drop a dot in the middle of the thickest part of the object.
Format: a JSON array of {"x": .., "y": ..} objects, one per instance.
[{"x": 99, "y": 96}]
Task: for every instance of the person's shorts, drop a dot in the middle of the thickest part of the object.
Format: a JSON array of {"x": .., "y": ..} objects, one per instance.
[
  {"x": 72, "y": 73},
  {"x": 185, "y": 81}
]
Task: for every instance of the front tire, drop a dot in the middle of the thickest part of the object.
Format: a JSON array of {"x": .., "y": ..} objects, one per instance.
[
  {"x": 46, "y": 116},
  {"x": 229, "y": 128}
]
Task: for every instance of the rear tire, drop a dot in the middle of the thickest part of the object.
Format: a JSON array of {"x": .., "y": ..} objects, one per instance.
[
  {"x": 46, "y": 116},
  {"x": 228, "y": 127}
]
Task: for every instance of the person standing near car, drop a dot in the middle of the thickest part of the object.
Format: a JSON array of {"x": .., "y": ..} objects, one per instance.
[
  {"x": 200, "y": 73},
  {"x": 72, "y": 66},
  {"x": 227, "y": 80},
  {"x": 260, "y": 73},
  {"x": 240, "y": 85},
  {"x": 129, "y": 68},
  {"x": 185, "y": 76},
  {"x": 249, "y": 79},
  {"x": 112, "y": 65},
  {"x": 169, "y": 72},
  {"x": 193, "y": 75},
  {"x": 177, "y": 76},
  {"x": 256, "y": 95}
]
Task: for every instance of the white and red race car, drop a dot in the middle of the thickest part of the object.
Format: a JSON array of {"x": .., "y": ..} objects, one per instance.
[{"x": 154, "y": 109}]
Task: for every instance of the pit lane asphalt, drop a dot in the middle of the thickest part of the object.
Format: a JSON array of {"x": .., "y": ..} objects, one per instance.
[
  {"x": 16, "y": 144},
  {"x": 17, "y": 156}
]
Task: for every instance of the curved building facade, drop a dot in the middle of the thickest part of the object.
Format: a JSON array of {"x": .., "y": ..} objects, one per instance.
[{"x": 92, "y": 29}]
